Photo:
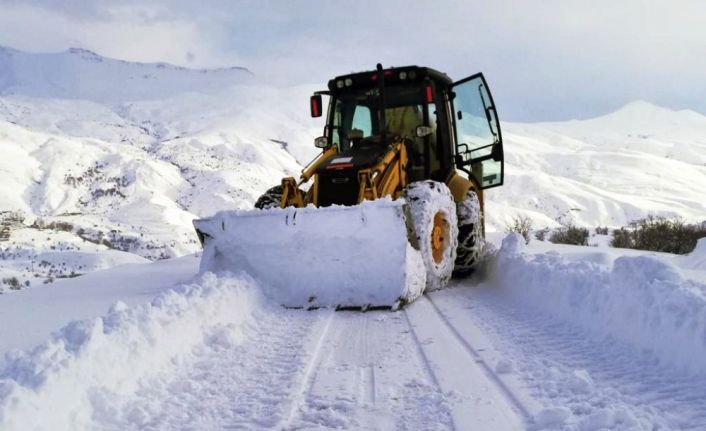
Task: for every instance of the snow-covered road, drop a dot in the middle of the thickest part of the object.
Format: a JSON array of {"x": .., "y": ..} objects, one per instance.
[
  {"x": 432, "y": 366},
  {"x": 508, "y": 350},
  {"x": 324, "y": 369}
]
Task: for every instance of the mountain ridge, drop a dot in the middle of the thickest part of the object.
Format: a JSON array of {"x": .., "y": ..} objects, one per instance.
[{"x": 85, "y": 75}]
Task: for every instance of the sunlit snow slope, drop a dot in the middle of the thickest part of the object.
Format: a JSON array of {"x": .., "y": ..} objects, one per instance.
[
  {"x": 610, "y": 170},
  {"x": 546, "y": 337},
  {"x": 113, "y": 160}
]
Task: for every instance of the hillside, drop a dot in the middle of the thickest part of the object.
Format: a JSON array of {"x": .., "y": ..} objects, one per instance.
[
  {"x": 80, "y": 74},
  {"x": 97, "y": 175},
  {"x": 607, "y": 171},
  {"x": 110, "y": 161}
]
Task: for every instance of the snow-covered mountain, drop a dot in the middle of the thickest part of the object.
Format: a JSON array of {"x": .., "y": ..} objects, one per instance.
[
  {"x": 80, "y": 74},
  {"x": 642, "y": 159},
  {"x": 125, "y": 159},
  {"x": 108, "y": 156}
]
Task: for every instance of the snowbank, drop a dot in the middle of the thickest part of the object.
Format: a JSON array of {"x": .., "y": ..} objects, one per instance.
[
  {"x": 302, "y": 257},
  {"x": 696, "y": 259},
  {"x": 67, "y": 382},
  {"x": 30, "y": 316},
  {"x": 640, "y": 300}
]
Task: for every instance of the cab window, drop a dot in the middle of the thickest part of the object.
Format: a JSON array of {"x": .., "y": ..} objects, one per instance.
[{"x": 362, "y": 120}]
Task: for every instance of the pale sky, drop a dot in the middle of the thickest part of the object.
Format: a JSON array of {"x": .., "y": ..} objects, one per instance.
[{"x": 544, "y": 60}]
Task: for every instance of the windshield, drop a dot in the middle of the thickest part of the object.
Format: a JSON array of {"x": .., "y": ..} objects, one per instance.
[{"x": 404, "y": 111}]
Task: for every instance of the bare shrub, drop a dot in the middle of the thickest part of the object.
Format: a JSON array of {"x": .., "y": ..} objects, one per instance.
[
  {"x": 602, "y": 230},
  {"x": 12, "y": 282},
  {"x": 656, "y": 233},
  {"x": 520, "y": 224},
  {"x": 541, "y": 234},
  {"x": 12, "y": 217},
  {"x": 570, "y": 235},
  {"x": 622, "y": 238}
]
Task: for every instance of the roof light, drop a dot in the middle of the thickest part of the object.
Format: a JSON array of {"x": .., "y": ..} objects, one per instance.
[
  {"x": 412, "y": 74},
  {"x": 403, "y": 75},
  {"x": 385, "y": 73},
  {"x": 349, "y": 82},
  {"x": 339, "y": 83}
]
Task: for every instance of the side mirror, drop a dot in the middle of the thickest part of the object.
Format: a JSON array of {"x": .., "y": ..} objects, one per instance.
[
  {"x": 315, "y": 105},
  {"x": 422, "y": 131},
  {"x": 321, "y": 142}
]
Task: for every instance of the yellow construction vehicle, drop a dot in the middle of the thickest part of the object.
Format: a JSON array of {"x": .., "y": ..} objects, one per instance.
[{"x": 421, "y": 148}]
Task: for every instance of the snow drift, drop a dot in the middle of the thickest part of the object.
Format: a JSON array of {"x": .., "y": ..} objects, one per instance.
[
  {"x": 641, "y": 301},
  {"x": 70, "y": 379},
  {"x": 697, "y": 258}
]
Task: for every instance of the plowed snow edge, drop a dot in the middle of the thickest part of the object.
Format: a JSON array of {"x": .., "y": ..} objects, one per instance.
[
  {"x": 69, "y": 377},
  {"x": 642, "y": 301}
]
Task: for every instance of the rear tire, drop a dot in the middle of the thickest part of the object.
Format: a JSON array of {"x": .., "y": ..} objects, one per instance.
[
  {"x": 433, "y": 213},
  {"x": 470, "y": 235},
  {"x": 270, "y": 199}
]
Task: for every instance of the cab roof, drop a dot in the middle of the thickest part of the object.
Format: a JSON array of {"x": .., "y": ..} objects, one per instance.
[{"x": 393, "y": 76}]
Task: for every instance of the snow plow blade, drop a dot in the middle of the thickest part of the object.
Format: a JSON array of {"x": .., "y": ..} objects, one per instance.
[{"x": 348, "y": 257}]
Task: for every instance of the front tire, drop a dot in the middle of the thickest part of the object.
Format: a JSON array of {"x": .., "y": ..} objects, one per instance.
[{"x": 433, "y": 213}]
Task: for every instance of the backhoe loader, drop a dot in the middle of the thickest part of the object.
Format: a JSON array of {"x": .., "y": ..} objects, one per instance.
[{"x": 391, "y": 207}]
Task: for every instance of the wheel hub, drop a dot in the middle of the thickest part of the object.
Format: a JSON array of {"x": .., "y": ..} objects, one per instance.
[{"x": 439, "y": 237}]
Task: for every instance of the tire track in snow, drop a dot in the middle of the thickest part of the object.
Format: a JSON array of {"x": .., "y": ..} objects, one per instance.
[
  {"x": 236, "y": 381},
  {"x": 425, "y": 360},
  {"x": 368, "y": 377},
  {"x": 598, "y": 381},
  {"x": 366, "y": 372},
  {"x": 477, "y": 358},
  {"x": 291, "y": 370},
  {"x": 477, "y": 400},
  {"x": 367, "y": 385},
  {"x": 308, "y": 376}
]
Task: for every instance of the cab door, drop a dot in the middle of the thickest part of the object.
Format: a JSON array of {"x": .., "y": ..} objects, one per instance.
[{"x": 479, "y": 144}]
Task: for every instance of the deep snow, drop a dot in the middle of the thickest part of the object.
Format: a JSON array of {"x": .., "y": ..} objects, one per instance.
[
  {"x": 640, "y": 300},
  {"x": 546, "y": 337},
  {"x": 545, "y": 340}
]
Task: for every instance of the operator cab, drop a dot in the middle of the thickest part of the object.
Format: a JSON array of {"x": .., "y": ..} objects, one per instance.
[{"x": 443, "y": 124}]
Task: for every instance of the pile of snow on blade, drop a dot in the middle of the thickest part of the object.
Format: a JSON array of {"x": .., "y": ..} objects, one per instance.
[
  {"x": 67, "y": 382},
  {"x": 641, "y": 301},
  {"x": 305, "y": 257}
]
